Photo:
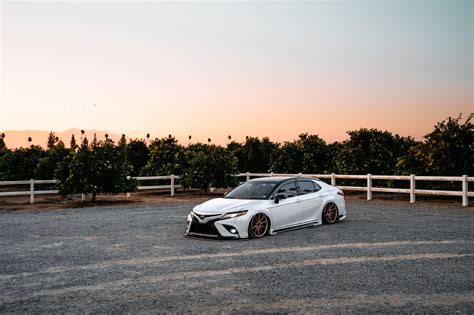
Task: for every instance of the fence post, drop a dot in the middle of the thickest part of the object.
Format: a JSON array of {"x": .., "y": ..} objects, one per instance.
[
  {"x": 82, "y": 197},
  {"x": 272, "y": 174},
  {"x": 299, "y": 175},
  {"x": 333, "y": 179},
  {"x": 32, "y": 191},
  {"x": 464, "y": 191},
  {"x": 369, "y": 186},
  {"x": 412, "y": 188},
  {"x": 128, "y": 193},
  {"x": 248, "y": 177},
  {"x": 172, "y": 185}
]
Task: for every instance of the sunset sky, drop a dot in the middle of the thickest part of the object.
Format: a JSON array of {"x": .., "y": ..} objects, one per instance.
[{"x": 248, "y": 68}]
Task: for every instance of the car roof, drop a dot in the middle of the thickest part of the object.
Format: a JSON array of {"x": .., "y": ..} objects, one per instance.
[{"x": 280, "y": 179}]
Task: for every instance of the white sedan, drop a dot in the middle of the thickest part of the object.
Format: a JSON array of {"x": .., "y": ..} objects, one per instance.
[{"x": 267, "y": 206}]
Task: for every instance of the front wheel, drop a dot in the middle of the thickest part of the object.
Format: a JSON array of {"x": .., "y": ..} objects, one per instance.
[
  {"x": 258, "y": 226},
  {"x": 330, "y": 213}
]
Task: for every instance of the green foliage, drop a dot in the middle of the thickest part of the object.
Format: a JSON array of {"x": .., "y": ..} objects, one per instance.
[
  {"x": 209, "y": 166},
  {"x": 52, "y": 139},
  {"x": 20, "y": 164},
  {"x": 47, "y": 164},
  {"x": 254, "y": 155},
  {"x": 123, "y": 141},
  {"x": 73, "y": 144},
  {"x": 137, "y": 154},
  {"x": 447, "y": 150},
  {"x": 99, "y": 168},
  {"x": 166, "y": 157},
  {"x": 3, "y": 146},
  {"x": 372, "y": 151},
  {"x": 309, "y": 154}
]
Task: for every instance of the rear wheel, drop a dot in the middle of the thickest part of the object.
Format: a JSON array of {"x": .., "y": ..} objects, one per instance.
[
  {"x": 330, "y": 213},
  {"x": 258, "y": 226}
]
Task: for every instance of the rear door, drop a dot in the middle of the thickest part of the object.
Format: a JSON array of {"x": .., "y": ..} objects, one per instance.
[{"x": 310, "y": 200}]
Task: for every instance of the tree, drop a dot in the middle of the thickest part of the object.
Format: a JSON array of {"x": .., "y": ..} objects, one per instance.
[
  {"x": 209, "y": 166},
  {"x": 21, "y": 163},
  {"x": 52, "y": 139},
  {"x": 372, "y": 151},
  {"x": 94, "y": 140},
  {"x": 29, "y": 140},
  {"x": 166, "y": 157},
  {"x": 254, "y": 155},
  {"x": 47, "y": 164},
  {"x": 3, "y": 146},
  {"x": 73, "y": 144},
  {"x": 137, "y": 154},
  {"x": 447, "y": 151},
  {"x": 123, "y": 141},
  {"x": 288, "y": 158},
  {"x": 99, "y": 168}
]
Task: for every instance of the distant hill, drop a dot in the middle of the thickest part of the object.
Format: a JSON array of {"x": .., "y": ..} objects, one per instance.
[{"x": 19, "y": 138}]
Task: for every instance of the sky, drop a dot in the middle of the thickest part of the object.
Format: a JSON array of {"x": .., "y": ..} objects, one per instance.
[{"x": 211, "y": 70}]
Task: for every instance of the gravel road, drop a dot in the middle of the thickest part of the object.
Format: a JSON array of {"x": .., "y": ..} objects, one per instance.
[{"x": 387, "y": 256}]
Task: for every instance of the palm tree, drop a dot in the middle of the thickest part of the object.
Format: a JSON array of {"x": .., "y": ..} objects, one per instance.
[
  {"x": 209, "y": 140},
  {"x": 147, "y": 137},
  {"x": 106, "y": 136},
  {"x": 82, "y": 133},
  {"x": 29, "y": 140},
  {"x": 3, "y": 135}
]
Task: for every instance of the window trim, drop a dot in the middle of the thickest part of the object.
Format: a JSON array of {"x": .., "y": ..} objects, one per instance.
[
  {"x": 315, "y": 186},
  {"x": 272, "y": 197}
]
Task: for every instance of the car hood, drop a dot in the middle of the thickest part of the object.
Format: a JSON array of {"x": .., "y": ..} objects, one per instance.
[{"x": 224, "y": 205}]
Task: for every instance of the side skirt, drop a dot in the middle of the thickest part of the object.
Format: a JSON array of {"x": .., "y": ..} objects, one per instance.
[{"x": 299, "y": 226}]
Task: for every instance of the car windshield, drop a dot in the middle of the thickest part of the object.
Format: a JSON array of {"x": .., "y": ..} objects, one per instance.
[{"x": 252, "y": 190}]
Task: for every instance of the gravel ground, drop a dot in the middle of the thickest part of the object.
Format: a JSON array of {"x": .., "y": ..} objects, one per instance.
[{"x": 387, "y": 256}]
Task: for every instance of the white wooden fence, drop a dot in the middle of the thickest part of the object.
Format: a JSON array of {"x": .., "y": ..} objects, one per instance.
[
  {"x": 464, "y": 193},
  {"x": 32, "y": 192}
]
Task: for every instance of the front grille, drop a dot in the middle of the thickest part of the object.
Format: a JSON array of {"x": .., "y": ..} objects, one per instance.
[
  {"x": 202, "y": 217},
  {"x": 207, "y": 229}
]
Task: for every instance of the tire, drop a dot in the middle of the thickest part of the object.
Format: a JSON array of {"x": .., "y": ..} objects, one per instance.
[
  {"x": 330, "y": 213},
  {"x": 259, "y": 225}
]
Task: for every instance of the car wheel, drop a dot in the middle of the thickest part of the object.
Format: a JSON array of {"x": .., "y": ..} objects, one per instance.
[
  {"x": 258, "y": 226},
  {"x": 330, "y": 213}
]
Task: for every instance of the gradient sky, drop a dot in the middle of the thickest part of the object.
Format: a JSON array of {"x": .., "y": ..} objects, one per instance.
[{"x": 249, "y": 68}]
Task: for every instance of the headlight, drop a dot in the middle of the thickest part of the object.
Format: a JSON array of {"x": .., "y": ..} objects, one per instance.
[{"x": 231, "y": 215}]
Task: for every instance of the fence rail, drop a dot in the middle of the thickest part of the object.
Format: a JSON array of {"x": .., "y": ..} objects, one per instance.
[
  {"x": 32, "y": 182},
  {"x": 464, "y": 193},
  {"x": 172, "y": 186}
]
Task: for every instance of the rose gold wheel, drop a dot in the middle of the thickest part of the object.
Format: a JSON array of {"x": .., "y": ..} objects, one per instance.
[
  {"x": 330, "y": 213},
  {"x": 258, "y": 226}
]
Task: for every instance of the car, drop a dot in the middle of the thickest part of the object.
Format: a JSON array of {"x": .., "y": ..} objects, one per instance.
[{"x": 266, "y": 206}]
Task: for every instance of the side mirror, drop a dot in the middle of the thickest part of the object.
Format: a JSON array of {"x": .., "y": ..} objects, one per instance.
[{"x": 279, "y": 197}]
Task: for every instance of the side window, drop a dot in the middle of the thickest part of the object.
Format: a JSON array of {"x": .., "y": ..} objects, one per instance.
[
  {"x": 307, "y": 187},
  {"x": 288, "y": 189},
  {"x": 316, "y": 186}
]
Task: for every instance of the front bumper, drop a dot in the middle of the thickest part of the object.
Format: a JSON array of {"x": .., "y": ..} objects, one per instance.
[{"x": 215, "y": 228}]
